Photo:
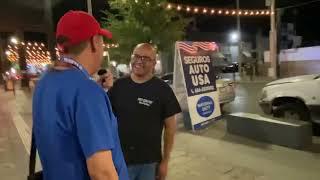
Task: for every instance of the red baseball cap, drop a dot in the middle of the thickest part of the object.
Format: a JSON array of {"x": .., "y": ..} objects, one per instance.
[{"x": 79, "y": 26}]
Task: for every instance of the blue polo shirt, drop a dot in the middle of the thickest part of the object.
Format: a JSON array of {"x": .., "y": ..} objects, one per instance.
[{"x": 72, "y": 120}]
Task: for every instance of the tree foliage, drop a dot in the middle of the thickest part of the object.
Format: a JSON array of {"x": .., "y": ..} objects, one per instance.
[{"x": 136, "y": 21}]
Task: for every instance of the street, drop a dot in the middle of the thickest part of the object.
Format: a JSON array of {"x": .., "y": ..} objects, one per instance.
[
  {"x": 205, "y": 155},
  {"x": 247, "y": 97}
]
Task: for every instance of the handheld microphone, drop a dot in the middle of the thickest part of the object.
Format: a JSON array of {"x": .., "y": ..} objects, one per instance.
[{"x": 102, "y": 72}]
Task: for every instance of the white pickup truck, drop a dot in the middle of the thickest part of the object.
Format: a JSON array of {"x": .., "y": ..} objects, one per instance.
[{"x": 293, "y": 98}]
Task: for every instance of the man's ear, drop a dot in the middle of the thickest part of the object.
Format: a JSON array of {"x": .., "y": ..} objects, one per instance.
[{"x": 93, "y": 43}]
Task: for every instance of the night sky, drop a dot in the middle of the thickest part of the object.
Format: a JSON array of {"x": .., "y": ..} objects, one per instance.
[{"x": 305, "y": 17}]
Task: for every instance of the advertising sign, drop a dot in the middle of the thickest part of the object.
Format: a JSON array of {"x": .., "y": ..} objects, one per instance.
[{"x": 193, "y": 60}]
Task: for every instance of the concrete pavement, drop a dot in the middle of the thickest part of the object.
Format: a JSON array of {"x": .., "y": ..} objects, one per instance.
[{"x": 206, "y": 155}]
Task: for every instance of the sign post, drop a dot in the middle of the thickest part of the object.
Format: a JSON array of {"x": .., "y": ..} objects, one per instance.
[{"x": 195, "y": 84}]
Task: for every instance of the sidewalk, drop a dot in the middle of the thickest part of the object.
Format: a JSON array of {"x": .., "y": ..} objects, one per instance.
[
  {"x": 13, "y": 156},
  {"x": 210, "y": 154}
]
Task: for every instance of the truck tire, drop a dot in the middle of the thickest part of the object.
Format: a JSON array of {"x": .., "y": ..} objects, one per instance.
[{"x": 296, "y": 111}]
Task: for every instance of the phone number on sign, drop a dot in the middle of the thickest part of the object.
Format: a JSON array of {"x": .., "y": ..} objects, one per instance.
[{"x": 203, "y": 89}]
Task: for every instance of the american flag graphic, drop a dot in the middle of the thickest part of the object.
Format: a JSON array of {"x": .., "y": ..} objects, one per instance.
[{"x": 192, "y": 47}]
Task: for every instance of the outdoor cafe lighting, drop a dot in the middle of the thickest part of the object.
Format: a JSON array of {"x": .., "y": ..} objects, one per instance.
[
  {"x": 188, "y": 9},
  {"x": 212, "y": 11},
  {"x": 227, "y": 12},
  {"x": 246, "y": 13},
  {"x": 169, "y": 6},
  {"x": 8, "y": 53},
  {"x": 220, "y": 12},
  {"x": 179, "y": 8},
  {"x": 196, "y": 10},
  {"x": 14, "y": 40}
]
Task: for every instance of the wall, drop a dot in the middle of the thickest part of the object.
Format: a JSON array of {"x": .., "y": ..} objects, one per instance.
[
  {"x": 299, "y": 54},
  {"x": 295, "y": 62}
]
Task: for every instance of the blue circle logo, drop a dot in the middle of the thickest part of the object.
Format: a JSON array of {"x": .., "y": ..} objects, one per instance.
[{"x": 205, "y": 106}]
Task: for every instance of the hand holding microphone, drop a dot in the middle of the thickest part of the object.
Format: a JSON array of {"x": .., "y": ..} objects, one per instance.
[{"x": 105, "y": 78}]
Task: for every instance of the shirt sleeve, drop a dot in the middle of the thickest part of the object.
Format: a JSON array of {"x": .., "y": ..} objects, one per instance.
[
  {"x": 170, "y": 105},
  {"x": 93, "y": 120}
]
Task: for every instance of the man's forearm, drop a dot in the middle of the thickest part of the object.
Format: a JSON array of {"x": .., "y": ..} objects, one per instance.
[
  {"x": 104, "y": 176},
  {"x": 169, "y": 134},
  {"x": 168, "y": 144}
]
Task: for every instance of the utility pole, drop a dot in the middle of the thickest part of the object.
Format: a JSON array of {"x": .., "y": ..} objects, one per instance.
[
  {"x": 89, "y": 6},
  {"x": 239, "y": 33},
  {"x": 273, "y": 41},
  {"x": 50, "y": 28}
]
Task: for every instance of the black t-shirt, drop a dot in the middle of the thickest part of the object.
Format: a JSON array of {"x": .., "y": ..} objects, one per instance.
[{"x": 141, "y": 110}]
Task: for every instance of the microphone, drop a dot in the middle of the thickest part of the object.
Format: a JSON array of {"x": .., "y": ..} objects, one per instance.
[{"x": 102, "y": 72}]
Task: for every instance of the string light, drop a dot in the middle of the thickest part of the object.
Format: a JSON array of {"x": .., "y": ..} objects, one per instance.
[{"x": 205, "y": 10}]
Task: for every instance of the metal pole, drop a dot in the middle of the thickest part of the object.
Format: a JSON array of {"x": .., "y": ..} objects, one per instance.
[
  {"x": 273, "y": 40},
  {"x": 239, "y": 36},
  {"x": 89, "y": 5},
  {"x": 50, "y": 28}
]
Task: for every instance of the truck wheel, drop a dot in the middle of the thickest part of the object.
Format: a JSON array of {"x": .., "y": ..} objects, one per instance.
[{"x": 293, "y": 111}]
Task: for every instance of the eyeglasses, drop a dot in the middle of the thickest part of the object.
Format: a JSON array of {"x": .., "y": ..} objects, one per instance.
[{"x": 143, "y": 59}]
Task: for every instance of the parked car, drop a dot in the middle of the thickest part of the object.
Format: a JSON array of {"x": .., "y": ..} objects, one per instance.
[
  {"x": 222, "y": 65},
  {"x": 226, "y": 88},
  {"x": 293, "y": 98}
]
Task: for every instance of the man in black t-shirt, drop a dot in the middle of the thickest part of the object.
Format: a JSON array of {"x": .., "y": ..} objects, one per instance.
[{"x": 144, "y": 106}]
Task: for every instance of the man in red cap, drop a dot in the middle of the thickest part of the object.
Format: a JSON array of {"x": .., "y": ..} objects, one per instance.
[{"x": 73, "y": 124}]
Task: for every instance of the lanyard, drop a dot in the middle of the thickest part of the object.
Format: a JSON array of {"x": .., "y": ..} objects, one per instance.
[{"x": 76, "y": 65}]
